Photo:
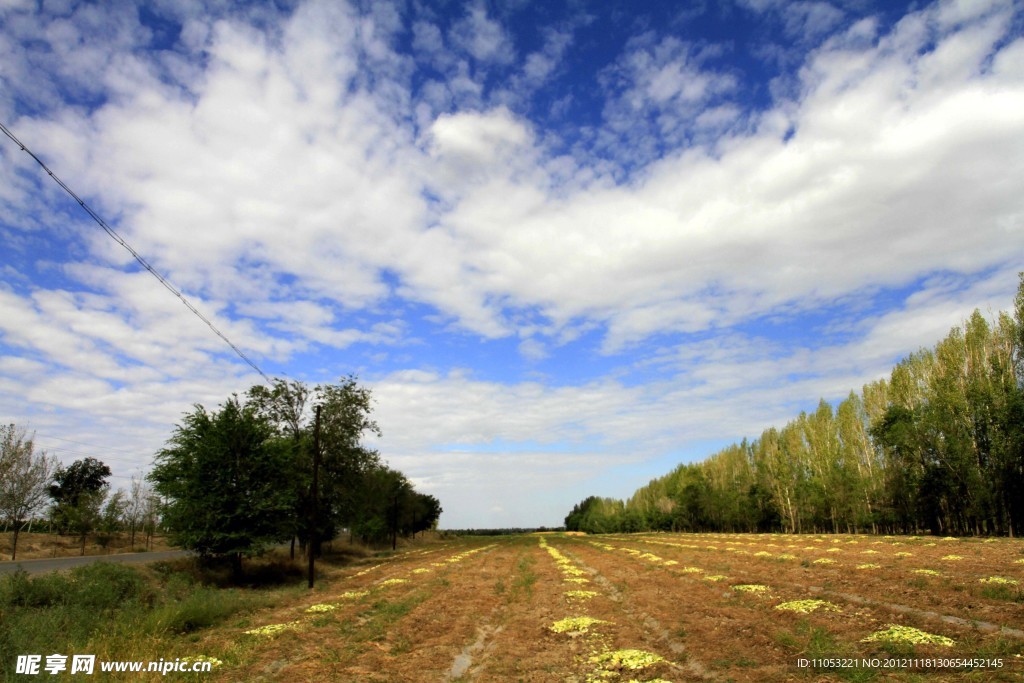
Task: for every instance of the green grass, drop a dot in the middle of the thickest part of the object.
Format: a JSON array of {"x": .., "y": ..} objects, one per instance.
[
  {"x": 1003, "y": 592},
  {"x": 522, "y": 584},
  {"x": 123, "y": 611},
  {"x": 201, "y": 608},
  {"x": 378, "y": 619}
]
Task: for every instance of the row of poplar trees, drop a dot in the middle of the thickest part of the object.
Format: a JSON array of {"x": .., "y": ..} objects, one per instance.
[
  {"x": 239, "y": 479},
  {"x": 937, "y": 447}
]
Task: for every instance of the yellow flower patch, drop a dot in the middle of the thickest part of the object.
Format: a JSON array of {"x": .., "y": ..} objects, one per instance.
[
  {"x": 1000, "y": 580},
  {"x": 952, "y": 557},
  {"x": 353, "y": 595},
  {"x": 824, "y": 560},
  {"x": 904, "y": 554},
  {"x": 213, "y": 661},
  {"x": 751, "y": 588},
  {"x": 579, "y": 595},
  {"x": 272, "y": 629},
  {"x": 907, "y": 634},
  {"x": 575, "y": 624},
  {"x": 627, "y": 659},
  {"x": 322, "y": 607},
  {"x": 808, "y": 606},
  {"x": 691, "y": 570},
  {"x": 869, "y": 566},
  {"x": 365, "y": 571},
  {"x": 927, "y": 572},
  {"x": 393, "y": 582},
  {"x": 715, "y": 577}
]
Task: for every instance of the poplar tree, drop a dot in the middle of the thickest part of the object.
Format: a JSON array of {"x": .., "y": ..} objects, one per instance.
[{"x": 937, "y": 445}]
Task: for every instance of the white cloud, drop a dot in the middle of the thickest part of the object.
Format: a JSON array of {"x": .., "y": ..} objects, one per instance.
[
  {"x": 655, "y": 91},
  {"x": 803, "y": 20},
  {"x": 540, "y": 65},
  {"x": 471, "y": 146},
  {"x": 889, "y": 176},
  {"x": 289, "y": 179},
  {"x": 482, "y": 37}
]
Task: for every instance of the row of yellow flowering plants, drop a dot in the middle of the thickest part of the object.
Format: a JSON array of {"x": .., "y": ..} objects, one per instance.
[
  {"x": 603, "y": 662},
  {"x": 893, "y": 633}
]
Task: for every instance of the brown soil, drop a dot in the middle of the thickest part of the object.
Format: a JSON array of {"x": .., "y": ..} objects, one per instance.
[
  {"x": 482, "y": 610},
  {"x": 36, "y": 546}
]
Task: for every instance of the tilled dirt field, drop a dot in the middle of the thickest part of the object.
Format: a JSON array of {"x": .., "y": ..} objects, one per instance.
[
  {"x": 661, "y": 607},
  {"x": 34, "y": 546}
]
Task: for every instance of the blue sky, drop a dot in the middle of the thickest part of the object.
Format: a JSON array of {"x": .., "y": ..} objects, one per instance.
[{"x": 567, "y": 245}]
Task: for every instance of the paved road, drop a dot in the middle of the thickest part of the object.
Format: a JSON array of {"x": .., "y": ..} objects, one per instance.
[{"x": 57, "y": 563}]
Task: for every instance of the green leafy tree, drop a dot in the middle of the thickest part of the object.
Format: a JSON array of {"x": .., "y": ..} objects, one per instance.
[
  {"x": 939, "y": 444},
  {"x": 223, "y": 480},
  {"x": 389, "y": 506},
  {"x": 78, "y": 492},
  {"x": 345, "y": 462},
  {"x": 425, "y": 511}
]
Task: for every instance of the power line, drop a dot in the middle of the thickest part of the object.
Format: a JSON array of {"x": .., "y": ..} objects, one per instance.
[
  {"x": 80, "y": 443},
  {"x": 57, "y": 450},
  {"x": 120, "y": 240}
]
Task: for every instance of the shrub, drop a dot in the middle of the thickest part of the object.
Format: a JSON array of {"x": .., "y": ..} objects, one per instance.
[
  {"x": 21, "y": 590},
  {"x": 103, "y": 585},
  {"x": 200, "y": 608}
]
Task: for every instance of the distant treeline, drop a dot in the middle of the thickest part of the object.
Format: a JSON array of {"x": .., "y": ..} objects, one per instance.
[
  {"x": 497, "y": 532},
  {"x": 937, "y": 446}
]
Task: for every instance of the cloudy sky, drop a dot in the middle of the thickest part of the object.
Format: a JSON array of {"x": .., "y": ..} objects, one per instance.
[{"x": 567, "y": 244}]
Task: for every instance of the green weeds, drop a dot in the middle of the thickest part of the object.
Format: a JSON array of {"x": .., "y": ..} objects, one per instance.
[
  {"x": 122, "y": 611},
  {"x": 524, "y": 579}
]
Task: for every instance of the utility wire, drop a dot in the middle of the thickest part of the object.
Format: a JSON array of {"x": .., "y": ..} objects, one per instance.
[
  {"x": 120, "y": 240},
  {"x": 37, "y": 435}
]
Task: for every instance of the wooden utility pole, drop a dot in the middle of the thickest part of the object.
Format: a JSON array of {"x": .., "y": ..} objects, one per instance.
[
  {"x": 394, "y": 523},
  {"x": 312, "y": 507}
]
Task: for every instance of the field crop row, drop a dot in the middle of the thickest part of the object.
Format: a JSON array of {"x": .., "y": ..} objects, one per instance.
[{"x": 652, "y": 608}]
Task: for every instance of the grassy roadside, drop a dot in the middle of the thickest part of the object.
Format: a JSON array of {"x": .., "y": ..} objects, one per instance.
[{"x": 141, "y": 613}]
